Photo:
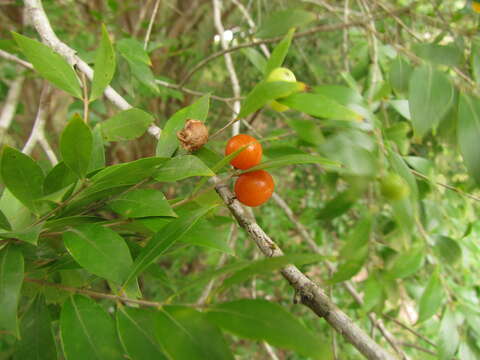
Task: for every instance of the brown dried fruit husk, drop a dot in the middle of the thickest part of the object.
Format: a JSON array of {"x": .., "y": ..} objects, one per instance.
[{"x": 193, "y": 136}]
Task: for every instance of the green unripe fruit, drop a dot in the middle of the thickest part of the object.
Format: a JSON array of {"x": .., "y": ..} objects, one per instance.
[
  {"x": 280, "y": 74},
  {"x": 394, "y": 187}
]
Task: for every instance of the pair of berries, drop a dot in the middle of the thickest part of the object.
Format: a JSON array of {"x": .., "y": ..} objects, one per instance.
[{"x": 255, "y": 187}]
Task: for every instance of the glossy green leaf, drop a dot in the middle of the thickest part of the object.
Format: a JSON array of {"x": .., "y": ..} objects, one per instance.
[
  {"x": 125, "y": 174},
  {"x": 136, "y": 329},
  {"x": 407, "y": 263},
  {"x": 142, "y": 203},
  {"x": 468, "y": 132},
  {"x": 164, "y": 239},
  {"x": 11, "y": 280},
  {"x": 168, "y": 143},
  {"x": 132, "y": 50},
  {"x": 104, "y": 66},
  {"x": 87, "y": 331},
  {"x": 256, "y": 58},
  {"x": 295, "y": 160},
  {"x": 448, "y": 336},
  {"x": 264, "y": 92},
  {"x": 76, "y": 145},
  {"x": 279, "y": 22},
  {"x": 126, "y": 125},
  {"x": 354, "y": 253},
  {"x": 59, "y": 177},
  {"x": 448, "y": 249},
  {"x": 97, "y": 160},
  {"x": 279, "y": 53},
  {"x": 185, "y": 334},
  {"x": 431, "y": 299},
  {"x": 307, "y": 130},
  {"x": 259, "y": 319},
  {"x": 207, "y": 234},
  {"x": 37, "y": 342},
  {"x": 320, "y": 106},
  {"x": 28, "y": 234},
  {"x": 4, "y": 223},
  {"x": 449, "y": 55},
  {"x": 399, "y": 75},
  {"x": 430, "y": 97},
  {"x": 50, "y": 65},
  {"x": 182, "y": 167},
  {"x": 100, "y": 250},
  {"x": 22, "y": 176},
  {"x": 341, "y": 94}
]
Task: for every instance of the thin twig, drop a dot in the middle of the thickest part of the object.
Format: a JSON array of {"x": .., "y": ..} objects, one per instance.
[
  {"x": 150, "y": 24},
  {"x": 10, "y": 105},
  {"x": 11, "y": 57},
  {"x": 195, "y": 92},
  {"x": 312, "y": 31}
]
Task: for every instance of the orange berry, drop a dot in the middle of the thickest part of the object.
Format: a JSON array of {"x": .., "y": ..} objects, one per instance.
[
  {"x": 250, "y": 156},
  {"x": 254, "y": 188}
]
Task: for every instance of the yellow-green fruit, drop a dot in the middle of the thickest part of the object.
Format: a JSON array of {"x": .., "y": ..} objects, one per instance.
[
  {"x": 394, "y": 187},
  {"x": 280, "y": 74}
]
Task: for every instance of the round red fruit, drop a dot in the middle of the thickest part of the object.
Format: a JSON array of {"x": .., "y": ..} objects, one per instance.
[
  {"x": 248, "y": 157},
  {"x": 254, "y": 188}
]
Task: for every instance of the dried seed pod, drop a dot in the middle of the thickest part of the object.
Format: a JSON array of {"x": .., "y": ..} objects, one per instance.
[{"x": 193, "y": 136}]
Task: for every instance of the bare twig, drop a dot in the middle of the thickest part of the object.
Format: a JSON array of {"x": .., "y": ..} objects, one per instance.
[
  {"x": 10, "y": 105},
  {"x": 217, "y": 19},
  {"x": 312, "y": 31},
  {"x": 11, "y": 57},
  {"x": 36, "y": 13},
  {"x": 150, "y": 24},
  {"x": 309, "y": 293},
  {"x": 194, "y": 92},
  {"x": 39, "y": 124}
]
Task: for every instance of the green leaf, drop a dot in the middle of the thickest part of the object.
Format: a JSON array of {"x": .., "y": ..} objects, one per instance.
[
  {"x": 97, "y": 160},
  {"x": 132, "y": 50},
  {"x": 430, "y": 97},
  {"x": 164, "y": 239},
  {"x": 100, "y": 250},
  {"x": 431, "y": 299},
  {"x": 354, "y": 253},
  {"x": 400, "y": 72},
  {"x": 126, "y": 125},
  {"x": 256, "y": 58},
  {"x": 475, "y": 60},
  {"x": 468, "y": 133},
  {"x": 4, "y": 223},
  {"x": 136, "y": 329},
  {"x": 402, "y": 107},
  {"x": 207, "y": 234},
  {"x": 468, "y": 351},
  {"x": 143, "y": 73},
  {"x": 142, "y": 203},
  {"x": 264, "y": 92},
  {"x": 125, "y": 174},
  {"x": 185, "y": 334},
  {"x": 448, "y": 336},
  {"x": 87, "y": 331},
  {"x": 307, "y": 130},
  {"x": 279, "y": 53},
  {"x": 37, "y": 342},
  {"x": 11, "y": 280},
  {"x": 449, "y": 55},
  {"x": 22, "y": 176},
  {"x": 320, "y": 106},
  {"x": 76, "y": 145},
  {"x": 374, "y": 294},
  {"x": 279, "y": 22},
  {"x": 263, "y": 320},
  {"x": 294, "y": 160},
  {"x": 28, "y": 234},
  {"x": 407, "y": 263},
  {"x": 168, "y": 143},
  {"x": 50, "y": 65},
  {"x": 104, "y": 66},
  {"x": 58, "y": 178},
  {"x": 401, "y": 168},
  {"x": 182, "y": 167},
  {"x": 269, "y": 265},
  {"x": 448, "y": 249}
]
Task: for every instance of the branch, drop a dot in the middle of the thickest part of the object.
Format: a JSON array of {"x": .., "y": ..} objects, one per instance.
[
  {"x": 150, "y": 24},
  {"x": 10, "y": 57},
  {"x": 36, "y": 13},
  {"x": 310, "y": 294},
  {"x": 10, "y": 105},
  {"x": 194, "y": 92},
  {"x": 312, "y": 31},
  {"x": 217, "y": 19},
  {"x": 39, "y": 124}
]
